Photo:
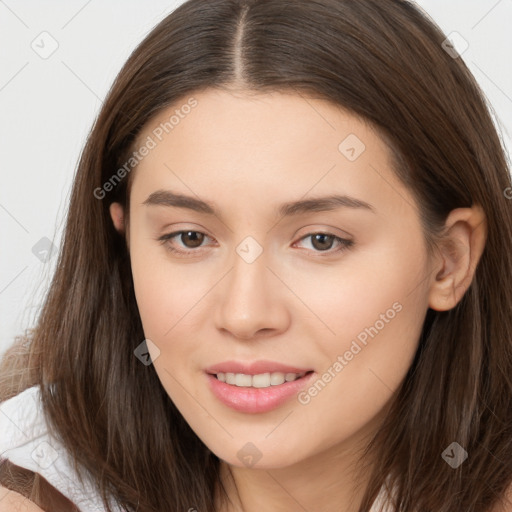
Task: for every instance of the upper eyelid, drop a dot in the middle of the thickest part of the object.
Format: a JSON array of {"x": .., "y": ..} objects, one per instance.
[{"x": 174, "y": 234}]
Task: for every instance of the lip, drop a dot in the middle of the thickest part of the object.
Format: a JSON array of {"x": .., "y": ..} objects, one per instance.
[
  {"x": 257, "y": 400},
  {"x": 254, "y": 368}
]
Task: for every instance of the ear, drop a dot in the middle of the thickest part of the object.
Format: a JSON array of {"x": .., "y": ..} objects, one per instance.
[
  {"x": 462, "y": 246},
  {"x": 117, "y": 214},
  {"x": 118, "y": 218}
]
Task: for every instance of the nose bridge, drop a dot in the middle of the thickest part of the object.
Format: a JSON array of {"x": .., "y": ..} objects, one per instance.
[
  {"x": 249, "y": 281},
  {"x": 250, "y": 300},
  {"x": 249, "y": 263}
]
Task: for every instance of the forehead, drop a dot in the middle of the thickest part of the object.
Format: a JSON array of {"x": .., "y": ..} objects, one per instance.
[{"x": 275, "y": 146}]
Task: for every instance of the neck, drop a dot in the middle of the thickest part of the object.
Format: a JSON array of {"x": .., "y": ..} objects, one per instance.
[{"x": 331, "y": 480}]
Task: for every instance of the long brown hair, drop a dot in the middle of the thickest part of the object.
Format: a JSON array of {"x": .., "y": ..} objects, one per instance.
[{"x": 382, "y": 60}]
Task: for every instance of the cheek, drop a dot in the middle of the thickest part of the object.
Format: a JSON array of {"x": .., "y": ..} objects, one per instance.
[
  {"x": 360, "y": 377},
  {"x": 366, "y": 288},
  {"x": 373, "y": 311},
  {"x": 377, "y": 317},
  {"x": 164, "y": 293}
]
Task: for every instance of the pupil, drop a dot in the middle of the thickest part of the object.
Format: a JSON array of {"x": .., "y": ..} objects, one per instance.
[
  {"x": 322, "y": 239},
  {"x": 196, "y": 240}
]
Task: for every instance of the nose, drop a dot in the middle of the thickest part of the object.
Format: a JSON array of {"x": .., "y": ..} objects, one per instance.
[{"x": 252, "y": 301}]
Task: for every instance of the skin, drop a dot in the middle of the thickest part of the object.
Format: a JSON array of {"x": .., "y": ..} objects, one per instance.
[
  {"x": 296, "y": 304},
  {"x": 11, "y": 501}
]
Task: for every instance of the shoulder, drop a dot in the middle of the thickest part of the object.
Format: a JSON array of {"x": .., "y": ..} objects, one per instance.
[
  {"x": 506, "y": 504},
  {"x": 28, "y": 491},
  {"x": 29, "y": 444},
  {"x": 11, "y": 501},
  {"x": 23, "y": 428},
  {"x": 21, "y": 413}
]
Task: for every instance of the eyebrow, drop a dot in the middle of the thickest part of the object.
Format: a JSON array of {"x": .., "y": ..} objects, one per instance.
[{"x": 315, "y": 204}]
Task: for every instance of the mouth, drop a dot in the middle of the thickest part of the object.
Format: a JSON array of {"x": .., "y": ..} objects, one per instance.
[
  {"x": 259, "y": 393},
  {"x": 260, "y": 380}
]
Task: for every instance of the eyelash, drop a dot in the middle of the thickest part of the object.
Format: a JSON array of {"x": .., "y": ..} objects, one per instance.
[{"x": 165, "y": 239}]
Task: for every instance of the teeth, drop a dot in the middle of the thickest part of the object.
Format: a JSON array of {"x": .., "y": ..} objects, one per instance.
[{"x": 262, "y": 380}]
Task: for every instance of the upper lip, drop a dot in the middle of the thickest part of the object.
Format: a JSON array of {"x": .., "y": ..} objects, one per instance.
[{"x": 254, "y": 368}]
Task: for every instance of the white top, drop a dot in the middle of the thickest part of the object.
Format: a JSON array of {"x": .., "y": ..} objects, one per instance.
[{"x": 26, "y": 441}]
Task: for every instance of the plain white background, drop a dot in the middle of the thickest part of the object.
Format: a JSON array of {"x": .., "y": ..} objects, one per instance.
[{"x": 48, "y": 104}]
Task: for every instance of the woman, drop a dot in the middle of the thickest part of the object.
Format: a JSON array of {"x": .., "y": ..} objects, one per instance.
[{"x": 283, "y": 280}]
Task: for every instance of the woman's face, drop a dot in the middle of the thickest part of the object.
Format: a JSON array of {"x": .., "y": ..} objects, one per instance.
[{"x": 334, "y": 285}]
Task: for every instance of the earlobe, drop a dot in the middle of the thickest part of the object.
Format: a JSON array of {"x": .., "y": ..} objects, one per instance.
[
  {"x": 117, "y": 215},
  {"x": 460, "y": 250}
]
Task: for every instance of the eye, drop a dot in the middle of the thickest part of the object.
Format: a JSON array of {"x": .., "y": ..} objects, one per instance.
[
  {"x": 189, "y": 238},
  {"x": 323, "y": 242}
]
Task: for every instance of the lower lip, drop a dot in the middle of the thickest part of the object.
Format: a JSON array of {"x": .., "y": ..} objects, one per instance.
[{"x": 256, "y": 400}]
